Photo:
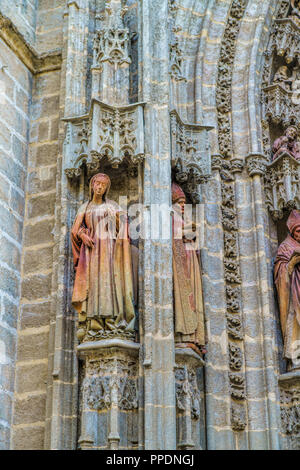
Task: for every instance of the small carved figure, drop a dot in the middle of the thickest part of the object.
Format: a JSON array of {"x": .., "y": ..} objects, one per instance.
[
  {"x": 282, "y": 78},
  {"x": 188, "y": 301},
  {"x": 287, "y": 143},
  {"x": 287, "y": 281},
  {"x": 295, "y": 14},
  {"x": 103, "y": 292}
]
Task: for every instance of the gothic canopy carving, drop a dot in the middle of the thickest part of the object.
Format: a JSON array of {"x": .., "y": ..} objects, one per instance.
[
  {"x": 112, "y": 132},
  {"x": 282, "y": 185},
  {"x": 191, "y": 155}
]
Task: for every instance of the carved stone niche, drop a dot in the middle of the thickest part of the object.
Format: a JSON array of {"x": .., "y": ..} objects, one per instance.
[
  {"x": 191, "y": 154},
  {"x": 282, "y": 185},
  {"x": 109, "y": 395},
  {"x": 286, "y": 39},
  {"x": 189, "y": 399},
  {"x": 113, "y": 133},
  {"x": 278, "y": 105},
  {"x": 290, "y": 409}
]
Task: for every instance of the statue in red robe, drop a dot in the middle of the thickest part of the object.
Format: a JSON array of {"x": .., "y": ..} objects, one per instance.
[
  {"x": 188, "y": 301},
  {"x": 287, "y": 281},
  {"x": 103, "y": 292},
  {"x": 287, "y": 143}
]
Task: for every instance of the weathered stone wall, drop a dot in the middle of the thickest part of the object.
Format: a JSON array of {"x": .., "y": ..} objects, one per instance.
[
  {"x": 16, "y": 84},
  {"x": 23, "y": 13},
  {"x": 49, "y": 24}
]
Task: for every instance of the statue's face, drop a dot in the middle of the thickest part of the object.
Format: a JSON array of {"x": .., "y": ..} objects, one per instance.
[
  {"x": 296, "y": 234},
  {"x": 291, "y": 133},
  {"x": 99, "y": 186},
  {"x": 181, "y": 203}
]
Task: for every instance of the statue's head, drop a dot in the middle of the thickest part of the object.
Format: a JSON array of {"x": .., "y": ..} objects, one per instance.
[
  {"x": 293, "y": 224},
  {"x": 292, "y": 132},
  {"x": 283, "y": 70},
  {"x": 99, "y": 184},
  {"x": 178, "y": 196}
]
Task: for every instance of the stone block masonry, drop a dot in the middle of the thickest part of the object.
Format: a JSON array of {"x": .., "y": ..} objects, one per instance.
[
  {"x": 37, "y": 260},
  {"x": 15, "y": 93}
]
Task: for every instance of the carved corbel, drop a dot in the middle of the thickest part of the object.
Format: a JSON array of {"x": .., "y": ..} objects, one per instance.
[
  {"x": 109, "y": 386},
  {"x": 256, "y": 164},
  {"x": 290, "y": 408}
]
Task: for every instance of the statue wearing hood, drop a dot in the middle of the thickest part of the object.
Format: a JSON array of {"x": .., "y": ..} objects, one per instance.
[
  {"x": 187, "y": 282},
  {"x": 103, "y": 293},
  {"x": 287, "y": 281}
]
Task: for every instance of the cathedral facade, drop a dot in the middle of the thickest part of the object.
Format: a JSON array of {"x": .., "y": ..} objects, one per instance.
[{"x": 150, "y": 224}]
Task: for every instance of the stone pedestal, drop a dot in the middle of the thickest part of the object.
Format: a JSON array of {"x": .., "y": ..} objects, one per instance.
[
  {"x": 190, "y": 409},
  {"x": 289, "y": 384},
  {"x": 109, "y": 395}
]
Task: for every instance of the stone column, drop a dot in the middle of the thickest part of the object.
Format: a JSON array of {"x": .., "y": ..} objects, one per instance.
[
  {"x": 256, "y": 164},
  {"x": 157, "y": 298}
]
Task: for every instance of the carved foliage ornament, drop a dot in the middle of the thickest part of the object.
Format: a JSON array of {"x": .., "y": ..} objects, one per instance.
[
  {"x": 233, "y": 293},
  {"x": 225, "y": 67},
  {"x": 229, "y": 216},
  {"x": 104, "y": 376}
]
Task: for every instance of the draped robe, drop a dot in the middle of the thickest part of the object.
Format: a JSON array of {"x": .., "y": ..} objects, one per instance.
[
  {"x": 103, "y": 286},
  {"x": 288, "y": 289},
  {"x": 188, "y": 300}
]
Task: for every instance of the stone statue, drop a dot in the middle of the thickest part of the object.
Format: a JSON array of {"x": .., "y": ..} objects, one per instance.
[
  {"x": 188, "y": 301},
  {"x": 295, "y": 14},
  {"x": 282, "y": 78},
  {"x": 287, "y": 281},
  {"x": 287, "y": 143},
  {"x": 103, "y": 292}
]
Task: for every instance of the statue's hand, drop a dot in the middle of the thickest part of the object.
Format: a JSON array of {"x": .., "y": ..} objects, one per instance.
[
  {"x": 292, "y": 263},
  {"x": 87, "y": 240}
]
